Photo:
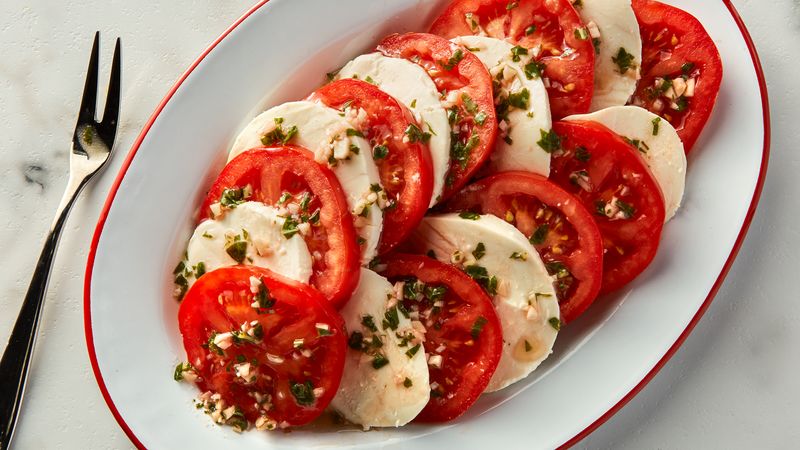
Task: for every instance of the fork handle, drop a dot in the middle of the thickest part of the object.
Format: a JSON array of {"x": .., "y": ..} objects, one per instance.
[{"x": 17, "y": 356}]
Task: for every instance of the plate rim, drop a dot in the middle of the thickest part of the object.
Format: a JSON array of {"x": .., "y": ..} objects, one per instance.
[{"x": 87, "y": 317}]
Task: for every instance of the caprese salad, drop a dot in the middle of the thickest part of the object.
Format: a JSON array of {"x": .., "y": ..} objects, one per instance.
[{"x": 416, "y": 232}]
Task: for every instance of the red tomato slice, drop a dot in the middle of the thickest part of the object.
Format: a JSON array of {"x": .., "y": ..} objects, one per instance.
[
  {"x": 459, "y": 316},
  {"x": 404, "y": 166},
  {"x": 613, "y": 181},
  {"x": 560, "y": 228},
  {"x": 681, "y": 68},
  {"x": 288, "y": 175},
  {"x": 460, "y": 76},
  {"x": 549, "y": 29},
  {"x": 282, "y": 359}
]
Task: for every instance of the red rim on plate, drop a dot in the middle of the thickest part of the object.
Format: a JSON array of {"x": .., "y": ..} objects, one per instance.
[{"x": 577, "y": 438}]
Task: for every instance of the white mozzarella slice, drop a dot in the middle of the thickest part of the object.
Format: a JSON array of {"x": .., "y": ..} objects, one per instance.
[
  {"x": 524, "y": 126},
  {"x": 659, "y": 144},
  {"x": 323, "y": 131},
  {"x": 410, "y": 85},
  {"x": 613, "y": 23},
  {"x": 526, "y": 302},
  {"x": 380, "y": 397},
  {"x": 260, "y": 226}
]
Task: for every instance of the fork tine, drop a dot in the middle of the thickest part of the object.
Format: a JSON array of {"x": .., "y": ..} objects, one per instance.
[
  {"x": 111, "y": 111},
  {"x": 89, "y": 100}
]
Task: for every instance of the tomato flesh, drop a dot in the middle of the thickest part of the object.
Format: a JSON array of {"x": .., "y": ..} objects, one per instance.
[
  {"x": 460, "y": 76},
  {"x": 282, "y": 176},
  {"x": 613, "y": 181},
  {"x": 681, "y": 68},
  {"x": 561, "y": 229},
  {"x": 282, "y": 361},
  {"x": 460, "y": 320},
  {"x": 404, "y": 166},
  {"x": 547, "y": 28}
]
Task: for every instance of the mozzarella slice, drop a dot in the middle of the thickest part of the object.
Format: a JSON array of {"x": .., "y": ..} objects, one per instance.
[
  {"x": 410, "y": 85},
  {"x": 380, "y": 397},
  {"x": 614, "y": 25},
  {"x": 323, "y": 131},
  {"x": 658, "y": 143},
  {"x": 259, "y": 226},
  {"x": 524, "y": 127},
  {"x": 526, "y": 302}
]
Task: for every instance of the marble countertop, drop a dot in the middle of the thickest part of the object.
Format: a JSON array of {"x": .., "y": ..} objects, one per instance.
[{"x": 732, "y": 385}]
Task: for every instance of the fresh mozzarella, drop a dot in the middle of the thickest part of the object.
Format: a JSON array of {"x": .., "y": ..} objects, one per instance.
[
  {"x": 517, "y": 147},
  {"x": 323, "y": 131},
  {"x": 260, "y": 227},
  {"x": 392, "y": 395},
  {"x": 525, "y": 302},
  {"x": 658, "y": 143},
  {"x": 614, "y": 26},
  {"x": 410, "y": 85}
]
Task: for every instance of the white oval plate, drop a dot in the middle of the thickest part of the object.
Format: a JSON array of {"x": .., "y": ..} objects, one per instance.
[{"x": 280, "y": 51}]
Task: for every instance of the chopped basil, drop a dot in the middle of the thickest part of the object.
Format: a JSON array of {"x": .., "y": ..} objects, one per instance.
[
  {"x": 627, "y": 209},
  {"x": 289, "y": 228},
  {"x": 212, "y": 347},
  {"x": 550, "y": 141},
  {"x": 412, "y": 351},
  {"x": 530, "y": 30},
  {"x": 534, "y": 69},
  {"x": 416, "y": 135},
  {"x": 555, "y": 322},
  {"x": 687, "y": 68},
  {"x": 368, "y": 322},
  {"x": 414, "y": 103},
  {"x": 540, "y": 234},
  {"x": 481, "y": 276},
  {"x": 517, "y": 52},
  {"x": 353, "y": 132},
  {"x": 681, "y": 104},
  {"x": 208, "y": 235},
  {"x": 577, "y": 3},
  {"x": 656, "y": 123},
  {"x": 379, "y": 361},
  {"x": 469, "y": 104},
  {"x": 480, "y": 322},
  {"x": 519, "y": 256},
  {"x": 179, "y": 369},
  {"x": 623, "y": 60},
  {"x": 520, "y": 99},
  {"x": 237, "y": 250},
  {"x": 460, "y": 151},
  {"x": 199, "y": 269},
  {"x": 391, "y": 319},
  {"x": 407, "y": 382},
  {"x": 303, "y": 392},
  {"x": 284, "y": 198},
  {"x": 480, "y": 118},
  {"x": 322, "y": 331},
  {"x": 369, "y": 80},
  {"x": 380, "y": 151},
  {"x": 458, "y": 55},
  {"x": 480, "y": 250},
  {"x": 278, "y": 135},
  {"x": 582, "y": 154},
  {"x": 469, "y": 215},
  {"x": 262, "y": 297},
  {"x": 452, "y": 115},
  {"x": 512, "y": 5},
  {"x": 234, "y": 196},
  {"x": 435, "y": 293},
  {"x": 596, "y": 44},
  {"x": 332, "y": 75},
  {"x": 581, "y": 33}
]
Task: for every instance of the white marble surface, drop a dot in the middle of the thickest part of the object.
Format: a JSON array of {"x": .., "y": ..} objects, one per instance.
[{"x": 732, "y": 385}]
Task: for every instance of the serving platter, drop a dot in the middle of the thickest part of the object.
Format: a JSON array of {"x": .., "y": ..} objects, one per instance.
[{"x": 600, "y": 361}]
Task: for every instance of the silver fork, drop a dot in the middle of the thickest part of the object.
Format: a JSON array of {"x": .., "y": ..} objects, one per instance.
[{"x": 92, "y": 142}]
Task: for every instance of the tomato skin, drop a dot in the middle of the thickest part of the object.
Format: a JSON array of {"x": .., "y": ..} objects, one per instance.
[
  {"x": 406, "y": 172},
  {"x": 523, "y": 195},
  {"x": 618, "y": 182},
  {"x": 469, "y": 367},
  {"x": 672, "y": 38},
  {"x": 569, "y": 60},
  {"x": 466, "y": 76},
  {"x": 270, "y": 172},
  {"x": 298, "y": 308}
]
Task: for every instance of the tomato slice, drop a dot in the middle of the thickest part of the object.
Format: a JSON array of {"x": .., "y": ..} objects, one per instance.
[
  {"x": 681, "y": 68},
  {"x": 560, "y": 228},
  {"x": 405, "y": 167},
  {"x": 461, "y": 327},
  {"x": 270, "y": 347},
  {"x": 466, "y": 89},
  {"x": 288, "y": 177},
  {"x": 551, "y": 32},
  {"x": 613, "y": 181}
]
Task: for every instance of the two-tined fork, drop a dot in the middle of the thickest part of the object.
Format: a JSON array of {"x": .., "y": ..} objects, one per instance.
[{"x": 92, "y": 143}]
